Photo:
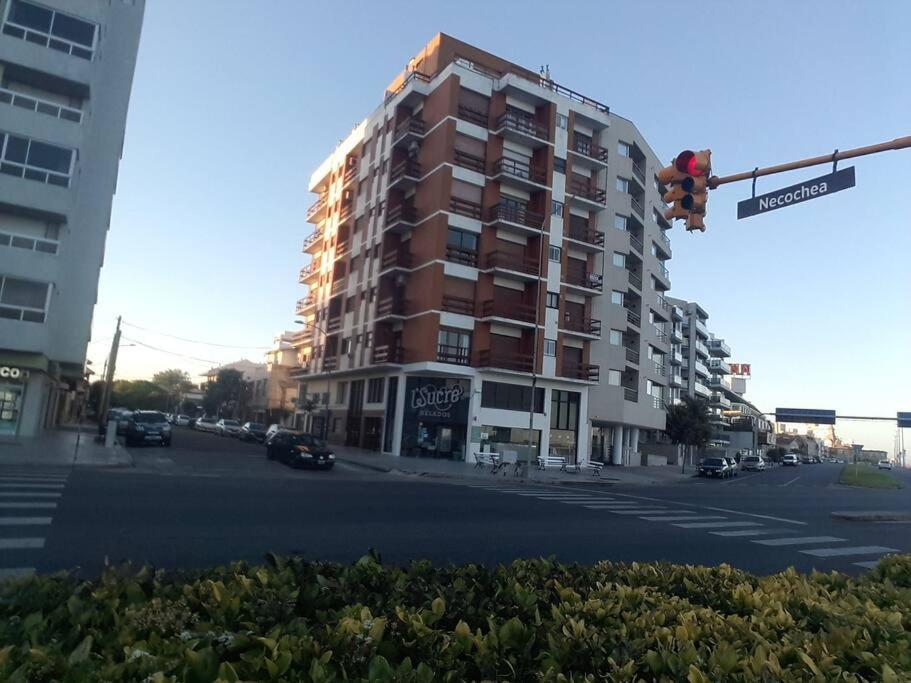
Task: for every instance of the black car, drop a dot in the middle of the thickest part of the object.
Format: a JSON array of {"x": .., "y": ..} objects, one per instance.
[
  {"x": 715, "y": 467},
  {"x": 148, "y": 426},
  {"x": 252, "y": 431},
  {"x": 300, "y": 450}
]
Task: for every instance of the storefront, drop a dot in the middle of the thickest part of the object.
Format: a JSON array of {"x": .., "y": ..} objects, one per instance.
[
  {"x": 435, "y": 418},
  {"x": 13, "y": 382}
]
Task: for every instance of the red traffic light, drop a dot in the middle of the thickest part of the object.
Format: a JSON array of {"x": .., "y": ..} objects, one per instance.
[{"x": 693, "y": 163}]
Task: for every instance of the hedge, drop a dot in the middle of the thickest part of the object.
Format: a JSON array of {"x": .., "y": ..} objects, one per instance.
[{"x": 294, "y": 620}]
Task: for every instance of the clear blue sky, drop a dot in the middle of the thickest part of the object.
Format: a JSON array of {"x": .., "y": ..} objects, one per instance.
[{"x": 235, "y": 103}]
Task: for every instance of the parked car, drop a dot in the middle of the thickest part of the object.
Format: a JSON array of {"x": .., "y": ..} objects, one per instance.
[
  {"x": 733, "y": 465},
  {"x": 146, "y": 426},
  {"x": 227, "y": 427},
  {"x": 715, "y": 467},
  {"x": 790, "y": 460},
  {"x": 182, "y": 420},
  {"x": 300, "y": 450},
  {"x": 252, "y": 431},
  {"x": 753, "y": 463},
  {"x": 884, "y": 465},
  {"x": 205, "y": 424},
  {"x": 272, "y": 431}
]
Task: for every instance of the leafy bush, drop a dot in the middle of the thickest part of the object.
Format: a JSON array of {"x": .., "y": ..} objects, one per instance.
[{"x": 293, "y": 620}]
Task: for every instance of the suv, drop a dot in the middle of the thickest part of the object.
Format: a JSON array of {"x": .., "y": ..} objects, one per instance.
[
  {"x": 227, "y": 427},
  {"x": 884, "y": 465},
  {"x": 752, "y": 462},
  {"x": 790, "y": 460},
  {"x": 715, "y": 467},
  {"x": 148, "y": 425}
]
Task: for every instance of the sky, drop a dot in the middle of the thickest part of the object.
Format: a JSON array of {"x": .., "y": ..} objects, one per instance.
[{"x": 235, "y": 103}]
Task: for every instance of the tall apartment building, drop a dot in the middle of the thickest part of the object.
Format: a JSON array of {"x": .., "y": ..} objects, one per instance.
[
  {"x": 472, "y": 235},
  {"x": 66, "y": 70}
]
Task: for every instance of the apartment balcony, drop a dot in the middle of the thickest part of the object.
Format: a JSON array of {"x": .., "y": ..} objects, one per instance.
[
  {"x": 463, "y": 207},
  {"x": 517, "y": 362},
  {"x": 589, "y": 328},
  {"x": 586, "y": 194},
  {"x": 674, "y": 378},
  {"x": 658, "y": 403},
  {"x": 334, "y": 324},
  {"x": 387, "y": 354},
  {"x": 662, "y": 271},
  {"x": 308, "y": 272},
  {"x": 660, "y": 334},
  {"x": 330, "y": 363},
  {"x": 396, "y": 260},
  {"x": 585, "y": 239},
  {"x": 299, "y": 372},
  {"x": 411, "y": 129},
  {"x": 701, "y": 329},
  {"x": 676, "y": 358},
  {"x": 521, "y": 129},
  {"x": 701, "y": 390},
  {"x": 720, "y": 400},
  {"x": 630, "y": 395},
  {"x": 338, "y": 285},
  {"x": 462, "y": 256},
  {"x": 401, "y": 218},
  {"x": 585, "y": 372},
  {"x": 632, "y": 317},
  {"x": 342, "y": 249},
  {"x": 663, "y": 247},
  {"x": 469, "y": 161},
  {"x": 516, "y": 266},
  {"x": 391, "y": 307},
  {"x": 719, "y": 420},
  {"x": 458, "y": 304},
  {"x": 660, "y": 369},
  {"x": 350, "y": 174},
  {"x": 509, "y": 312},
  {"x": 318, "y": 210},
  {"x": 303, "y": 304},
  {"x": 404, "y": 175},
  {"x": 718, "y": 366},
  {"x": 676, "y": 333},
  {"x": 521, "y": 174},
  {"x": 701, "y": 369},
  {"x": 677, "y": 313},
  {"x": 663, "y": 304},
  {"x": 312, "y": 242},
  {"x": 457, "y": 355},
  {"x": 636, "y": 203},
  {"x": 475, "y": 116},
  {"x": 587, "y": 283},
  {"x": 701, "y": 349},
  {"x": 639, "y": 172},
  {"x": 636, "y": 243},
  {"x": 635, "y": 280},
  {"x": 587, "y": 154},
  {"x": 632, "y": 355},
  {"x": 517, "y": 218},
  {"x": 718, "y": 348},
  {"x": 717, "y": 382}
]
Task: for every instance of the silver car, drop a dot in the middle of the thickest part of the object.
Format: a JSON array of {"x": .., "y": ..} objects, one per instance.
[{"x": 752, "y": 463}]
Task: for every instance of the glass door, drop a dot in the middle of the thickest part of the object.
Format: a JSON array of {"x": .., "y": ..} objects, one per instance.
[{"x": 10, "y": 407}]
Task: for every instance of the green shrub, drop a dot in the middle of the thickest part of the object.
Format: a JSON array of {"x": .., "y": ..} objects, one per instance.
[{"x": 293, "y": 620}]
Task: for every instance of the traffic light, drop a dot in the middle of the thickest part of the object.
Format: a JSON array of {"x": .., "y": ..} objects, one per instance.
[{"x": 687, "y": 179}]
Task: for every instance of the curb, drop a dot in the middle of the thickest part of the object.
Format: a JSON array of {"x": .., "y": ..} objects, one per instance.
[
  {"x": 362, "y": 465},
  {"x": 873, "y": 516}
]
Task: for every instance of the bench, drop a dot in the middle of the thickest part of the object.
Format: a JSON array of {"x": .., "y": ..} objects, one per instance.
[
  {"x": 548, "y": 461},
  {"x": 483, "y": 458},
  {"x": 593, "y": 467}
]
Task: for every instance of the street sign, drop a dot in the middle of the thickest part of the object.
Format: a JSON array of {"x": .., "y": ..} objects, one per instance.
[
  {"x": 807, "y": 415},
  {"x": 904, "y": 420},
  {"x": 795, "y": 194}
]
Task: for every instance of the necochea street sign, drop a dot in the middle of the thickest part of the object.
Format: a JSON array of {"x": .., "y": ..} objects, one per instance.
[{"x": 795, "y": 194}]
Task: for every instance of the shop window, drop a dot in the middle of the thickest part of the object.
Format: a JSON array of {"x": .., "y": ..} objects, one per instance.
[
  {"x": 510, "y": 442},
  {"x": 564, "y": 423},
  {"x": 341, "y": 390},
  {"x": 504, "y": 396},
  {"x": 375, "y": 390}
]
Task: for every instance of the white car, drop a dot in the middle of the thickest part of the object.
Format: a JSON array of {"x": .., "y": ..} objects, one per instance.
[
  {"x": 885, "y": 465},
  {"x": 182, "y": 420},
  {"x": 752, "y": 463},
  {"x": 790, "y": 460},
  {"x": 205, "y": 424},
  {"x": 227, "y": 427}
]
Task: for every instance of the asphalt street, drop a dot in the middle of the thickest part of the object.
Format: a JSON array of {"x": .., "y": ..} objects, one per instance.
[{"x": 211, "y": 500}]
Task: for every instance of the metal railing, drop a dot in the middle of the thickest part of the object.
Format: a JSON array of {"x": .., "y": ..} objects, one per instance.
[
  {"x": 409, "y": 168},
  {"x": 665, "y": 239},
  {"x": 464, "y": 207},
  {"x": 413, "y": 76},
  {"x": 350, "y": 174},
  {"x": 397, "y": 259},
  {"x": 639, "y": 172},
  {"x": 660, "y": 334},
  {"x": 58, "y": 111},
  {"x": 632, "y": 355},
  {"x": 584, "y": 325},
  {"x": 637, "y": 205},
  {"x": 587, "y": 148},
  {"x": 630, "y": 395},
  {"x": 583, "y": 371},
  {"x": 634, "y": 279},
  {"x": 388, "y": 354},
  {"x": 519, "y": 169},
  {"x": 469, "y": 161},
  {"x": 311, "y": 239},
  {"x": 658, "y": 403},
  {"x": 660, "y": 369},
  {"x": 633, "y": 318},
  {"x": 475, "y": 116},
  {"x": 457, "y": 355},
  {"x": 308, "y": 270},
  {"x": 411, "y": 125},
  {"x": 636, "y": 242},
  {"x": 465, "y": 257},
  {"x": 401, "y": 214},
  {"x": 517, "y": 214},
  {"x": 516, "y": 262},
  {"x": 512, "y": 120},
  {"x": 586, "y": 190},
  {"x": 391, "y": 306},
  {"x": 595, "y": 237},
  {"x": 504, "y": 309},
  {"x": 518, "y": 361},
  {"x": 663, "y": 303},
  {"x": 664, "y": 271},
  {"x": 316, "y": 208},
  {"x": 458, "y": 304},
  {"x": 583, "y": 279}
]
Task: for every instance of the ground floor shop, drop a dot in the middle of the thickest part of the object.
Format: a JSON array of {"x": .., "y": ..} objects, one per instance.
[{"x": 34, "y": 395}]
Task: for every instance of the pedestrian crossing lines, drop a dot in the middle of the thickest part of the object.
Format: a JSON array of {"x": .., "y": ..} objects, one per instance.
[
  {"x": 28, "y": 499},
  {"x": 732, "y": 525}
]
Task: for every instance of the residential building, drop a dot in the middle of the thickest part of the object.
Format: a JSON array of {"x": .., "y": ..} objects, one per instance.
[
  {"x": 256, "y": 377},
  {"x": 66, "y": 70},
  {"x": 463, "y": 260},
  {"x": 278, "y": 396}
]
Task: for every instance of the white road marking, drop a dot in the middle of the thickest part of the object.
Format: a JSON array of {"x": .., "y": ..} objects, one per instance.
[
  {"x": 20, "y": 506},
  {"x": 16, "y": 572},
  {"x": 24, "y": 478},
  {"x": 580, "y": 501},
  {"x": 21, "y": 543},
  {"x": 790, "y": 482},
  {"x": 715, "y": 525},
  {"x": 613, "y": 506},
  {"x": 680, "y": 518},
  {"x": 800, "y": 540},
  {"x": 750, "y": 514},
  {"x": 638, "y": 511},
  {"x": 856, "y": 550},
  {"x": 867, "y": 565},
  {"x": 30, "y": 494},
  {"x": 24, "y": 521},
  {"x": 750, "y": 532},
  {"x": 31, "y": 486}
]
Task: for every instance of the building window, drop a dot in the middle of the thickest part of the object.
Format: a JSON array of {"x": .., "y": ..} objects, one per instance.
[
  {"x": 556, "y": 208},
  {"x": 462, "y": 247},
  {"x": 624, "y": 149},
  {"x": 564, "y": 422},
  {"x": 620, "y": 222},
  {"x": 616, "y": 297},
  {"x": 550, "y": 347},
  {"x": 375, "y": 390},
  {"x": 622, "y": 185},
  {"x": 613, "y": 378},
  {"x": 23, "y": 299},
  {"x": 505, "y": 396},
  {"x": 35, "y": 160},
  {"x": 50, "y": 28},
  {"x": 555, "y": 254},
  {"x": 553, "y": 300},
  {"x": 368, "y": 339},
  {"x": 562, "y": 121},
  {"x": 372, "y": 294},
  {"x": 559, "y": 165},
  {"x": 346, "y": 345},
  {"x": 349, "y": 304},
  {"x": 616, "y": 337},
  {"x": 453, "y": 346},
  {"x": 619, "y": 259}
]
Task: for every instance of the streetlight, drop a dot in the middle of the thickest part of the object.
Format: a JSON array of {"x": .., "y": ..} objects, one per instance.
[{"x": 328, "y": 373}]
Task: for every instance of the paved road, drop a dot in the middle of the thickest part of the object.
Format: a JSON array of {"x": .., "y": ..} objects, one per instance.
[{"x": 210, "y": 500}]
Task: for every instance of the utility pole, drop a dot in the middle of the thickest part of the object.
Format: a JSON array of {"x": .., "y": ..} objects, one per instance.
[
  {"x": 534, "y": 359},
  {"x": 109, "y": 375}
]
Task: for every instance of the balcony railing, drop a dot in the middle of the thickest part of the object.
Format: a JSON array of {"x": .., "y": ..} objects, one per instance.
[
  {"x": 521, "y": 124},
  {"x": 595, "y": 237},
  {"x": 718, "y": 347},
  {"x": 334, "y": 324},
  {"x": 636, "y": 242},
  {"x": 632, "y": 355},
  {"x": 588, "y": 191},
  {"x": 391, "y": 306},
  {"x": 664, "y": 271},
  {"x": 414, "y": 76},
  {"x": 583, "y": 371},
  {"x": 350, "y": 174},
  {"x": 308, "y": 270},
  {"x": 633, "y": 318},
  {"x": 345, "y": 211},
  {"x": 316, "y": 208},
  {"x": 660, "y": 369},
  {"x": 635, "y": 280},
  {"x": 409, "y": 168},
  {"x": 58, "y": 111},
  {"x": 388, "y": 354},
  {"x": 397, "y": 259},
  {"x": 637, "y": 205},
  {"x": 401, "y": 214},
  {"x": 666, "y": 239},
  {"x": 411, "y": 125},
  {"x": 660, "y": 334},
  {"x": 302, "y": 304},
  {"x": 658, "y": 403},
  {"x": 458, "y": 304},
  {"x": 720, "y": 365},
  {"x": 631, "y": 395},
  {"x": 339, "y": 283},
  {"x": 330, "y": 363},
  {"x": 453, "y": 354},
  {"x": 586, "y": 147},
  {"x": 517, "y": 262},
  {"x": 311, "y": 239},
  {"x": 520, "y": 362},
  {"x": 464, "y": 207},
  {"x": 583, "y": 325},
  {"x": 639, "y": 172},
  {"x": 469, "y": 161},
  {"x": 504, "y": 309},
  {"x": 342, "y": 248},
  {"x": 583, "y": 279},
  {"x": 517, "y": 214},
  {"x": 474, "y": 116},
  {"x": 460, "y": 255},
  {"x": 519, "y": 169},
  {"x": 663, "y": 303}
]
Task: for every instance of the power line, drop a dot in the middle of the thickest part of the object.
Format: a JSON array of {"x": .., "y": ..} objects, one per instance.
[
  {"x": 195, "y": 341},
  {"x": 173, "y": 353}
]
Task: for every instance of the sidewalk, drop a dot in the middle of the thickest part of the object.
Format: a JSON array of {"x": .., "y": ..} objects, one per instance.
[
  {"x": 58, "y": 448},
  {"x": 450, "y": 469}
]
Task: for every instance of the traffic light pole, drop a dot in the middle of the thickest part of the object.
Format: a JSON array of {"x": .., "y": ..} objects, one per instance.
[{"x": 897, "y": 143}]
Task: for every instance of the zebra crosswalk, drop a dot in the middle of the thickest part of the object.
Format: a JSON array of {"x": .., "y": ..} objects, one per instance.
[
  {"x": 731, "y": 525},
  {"x": 28, "y": 499}
]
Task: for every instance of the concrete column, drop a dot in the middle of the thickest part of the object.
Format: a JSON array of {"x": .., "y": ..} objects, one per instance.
[
  {"x": 616, "y": 457},
  {"x": 399, "y": 417},
  {"x": 634, "y": 444},
  {"x": 626, "y": 435}
]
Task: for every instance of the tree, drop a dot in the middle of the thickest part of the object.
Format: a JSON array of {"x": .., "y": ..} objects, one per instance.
[
  {"x": 174, "y": 382},
  {"x": 96, "y": 389},
  {"x": 775, "y": 454},
  {"x": 688, "y": 423},
  {"x": 138, "y": 395},
  {"x": 228, "y": 394}
]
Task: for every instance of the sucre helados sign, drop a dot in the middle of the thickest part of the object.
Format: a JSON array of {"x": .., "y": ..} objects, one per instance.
[{"x": 795, "y": 194}]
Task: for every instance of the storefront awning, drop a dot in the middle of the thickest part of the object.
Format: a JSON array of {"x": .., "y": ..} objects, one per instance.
[{"x": 24, "y": 360}]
